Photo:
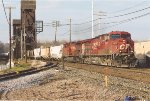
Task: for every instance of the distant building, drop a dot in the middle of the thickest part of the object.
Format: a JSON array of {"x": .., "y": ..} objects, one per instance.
[{"x": 141, "y": 50}]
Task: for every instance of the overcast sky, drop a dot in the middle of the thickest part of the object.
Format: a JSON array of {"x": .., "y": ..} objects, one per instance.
[{"x": 79, "y": 11}]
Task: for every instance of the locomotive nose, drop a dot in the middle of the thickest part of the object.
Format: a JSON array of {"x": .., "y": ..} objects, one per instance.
[
  {"x": 125, "y": 46},
  {"x": 122, "y": 46}
]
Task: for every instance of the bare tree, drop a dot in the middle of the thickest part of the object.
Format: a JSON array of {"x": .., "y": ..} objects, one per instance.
[
  {"x": 50, "y": 43},
  {"x": 1, "y": 47}
]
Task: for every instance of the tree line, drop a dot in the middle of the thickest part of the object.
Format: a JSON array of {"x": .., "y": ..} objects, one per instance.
[{"x": 4, "y": 47}]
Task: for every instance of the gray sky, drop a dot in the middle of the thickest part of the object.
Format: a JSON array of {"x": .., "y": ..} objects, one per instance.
[{"x": 80, "y": 11}]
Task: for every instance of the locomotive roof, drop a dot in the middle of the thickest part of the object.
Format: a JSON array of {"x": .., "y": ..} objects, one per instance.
[
  {"x": 118, "y": 32},
  {"x": 113, "y": 32},
  {"x": 87, "y": 40}
]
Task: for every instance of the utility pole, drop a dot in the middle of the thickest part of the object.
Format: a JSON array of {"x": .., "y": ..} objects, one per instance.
[
  {"x": 70, "y": 30},
  {"x": 10, "y": 53},
  {"x": 25, "y": 50},
  {"x": 55, "y": 32},
  {"x": 10, "y": 37},
  {"x": 56, "y": 24},
  {"x": 99, "y": 14},
  {"x": 21, "y": 43}
]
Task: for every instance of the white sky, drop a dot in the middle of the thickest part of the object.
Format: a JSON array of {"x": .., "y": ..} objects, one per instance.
[{"x": 80, "y": 11}]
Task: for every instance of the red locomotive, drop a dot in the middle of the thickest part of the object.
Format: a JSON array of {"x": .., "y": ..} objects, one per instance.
[{"x": 114, "y": 49}]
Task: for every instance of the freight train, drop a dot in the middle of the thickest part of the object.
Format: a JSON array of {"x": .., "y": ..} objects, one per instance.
[{"x": 115, "y": 48}]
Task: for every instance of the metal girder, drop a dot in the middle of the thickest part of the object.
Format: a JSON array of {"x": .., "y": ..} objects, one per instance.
[
  {"x": 28, "y": 23},
  {"x": 28, "y": 4},
  {"x": 16, "y": 38}
]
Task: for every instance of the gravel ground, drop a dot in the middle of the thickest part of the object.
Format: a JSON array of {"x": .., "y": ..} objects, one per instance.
[{"x": 72, "y": 84}]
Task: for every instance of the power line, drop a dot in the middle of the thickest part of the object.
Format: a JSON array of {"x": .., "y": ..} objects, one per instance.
[
  {"x": 83, "y": 23},
  {"x": 129, "y": 7},
  {"x": 86, "y": 22},
  {"x": 80, "y": 19},
  {"x": 106, "y": 17},
  {"x": 47, "y": 23},
  {"x": 106, "y": 23},
  {"x": 60, "y": 25},
  {"x": 114, "y": 16},
  {"x": 128, "y": 13},
  {"x": 125, "y": 21},
  {"x": 65, "y": 33},
  {"x": 83, "y": 29},
  {"x": 119, "y": 22},
  {"x": 95, "y": 25},
  {"x": 5, "y": 11}
]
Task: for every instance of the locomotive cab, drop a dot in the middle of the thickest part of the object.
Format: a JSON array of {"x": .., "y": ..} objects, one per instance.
[
  {"x": 122, "y": 48},
  {"x": 123, "y": 42}
]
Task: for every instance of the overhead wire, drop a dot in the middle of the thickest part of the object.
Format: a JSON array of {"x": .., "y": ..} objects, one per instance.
[
  {"x": 127, "y": 13},
  {"x": 125, "y": 21},
  {"x": 93, "y": 26},
  {"x": 83, "y": 29},
  {"x": 5, "y": 12},
  {"x": 119, "y": 22},
  {"x": 65, "y": 33},
  {"x": 47, "y": 23},
  {"x": 105, "y": 18},
  {"x": 115, "y": 16},
  {"x": 139, "y": 4}
]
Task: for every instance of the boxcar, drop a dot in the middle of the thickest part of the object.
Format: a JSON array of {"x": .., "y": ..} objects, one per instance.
[
  {"x": 56, "y": 52},
  {"x": 37, "y": 53},
  {"x": 45, "y": 52}
]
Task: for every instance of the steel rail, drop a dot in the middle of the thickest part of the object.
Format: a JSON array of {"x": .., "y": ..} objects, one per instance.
[{"x": 30, "y": 71}]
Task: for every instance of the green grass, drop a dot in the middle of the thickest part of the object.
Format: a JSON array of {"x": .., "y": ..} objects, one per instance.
[{"x": 19, "y": 66}]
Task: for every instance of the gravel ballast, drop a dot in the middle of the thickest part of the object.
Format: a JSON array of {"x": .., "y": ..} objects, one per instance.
[{"x": 72, "y": 84}]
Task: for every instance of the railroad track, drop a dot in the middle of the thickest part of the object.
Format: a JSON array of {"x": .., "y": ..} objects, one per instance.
[
  {"x": 32, "y": 70},
  {"x": 134, "y": 74},
  {"x": 141, "y": 75}
]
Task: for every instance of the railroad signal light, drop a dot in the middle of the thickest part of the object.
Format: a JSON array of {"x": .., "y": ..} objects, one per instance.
[{"x": 39, "y": 26}]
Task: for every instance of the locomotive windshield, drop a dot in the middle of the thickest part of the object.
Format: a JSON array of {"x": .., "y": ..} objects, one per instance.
[
  {"x": 126, "y": 36},
  {"x": 115, "y": 36}
]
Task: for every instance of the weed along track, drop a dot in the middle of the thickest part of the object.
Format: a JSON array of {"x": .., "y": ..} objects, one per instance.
[{"x": 29, "y": 71}]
